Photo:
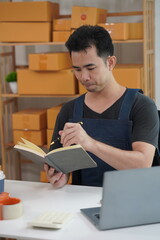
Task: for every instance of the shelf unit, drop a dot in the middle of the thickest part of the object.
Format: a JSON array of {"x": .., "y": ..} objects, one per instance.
[{"x": 8, "y": 101}]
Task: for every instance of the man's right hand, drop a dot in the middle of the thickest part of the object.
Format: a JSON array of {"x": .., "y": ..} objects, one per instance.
[{"x": 57, "y": 179}]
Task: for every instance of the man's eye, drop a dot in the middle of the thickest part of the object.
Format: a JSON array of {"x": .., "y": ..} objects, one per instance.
[
  {"x": 77, "y": 70},
  {"x": 90, "y": 69}
]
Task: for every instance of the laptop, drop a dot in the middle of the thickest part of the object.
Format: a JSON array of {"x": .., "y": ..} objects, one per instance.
[{"x": 130, "y": 198}]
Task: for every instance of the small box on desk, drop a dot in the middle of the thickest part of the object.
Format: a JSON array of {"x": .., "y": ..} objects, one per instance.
[
  {"x": 49, "y": 61},
  {"x": 62, "y": 24},
  {"x": 43, "y": 11},
  {"x": 52, "y": 116},
  {"x": 29, "y": 119},
  {"x": 129, "y": 75},
  {"x": 87, "y": 15},
  {"x": 37, "y": 137},
  {"x": 25, "y": 32},
  {"x": 46, "y": 82}
]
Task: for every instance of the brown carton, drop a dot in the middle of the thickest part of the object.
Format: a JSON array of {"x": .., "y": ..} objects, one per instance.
[
  {"x": 49, "y": 61},
  {"x": 49, "y": 137},
  {"x": 52, "y": 116},
  {"x": 81, "y": 88},
  {"x": 29, "y": 119},
  {"x": 44, "y": 11},
  {"x": 25, "y": 32},
  {"x": 118, "y": 31},
  {"x": 62, "y": 24},
  {"x": 136, "y": 30},
  {"x": 129, "y": 75},
  {"x": 87, "y": 15},
  {"x": 57, "y": 82},
  {"x": 60, "y": 36},
  {"x": 37, "y": 137}
]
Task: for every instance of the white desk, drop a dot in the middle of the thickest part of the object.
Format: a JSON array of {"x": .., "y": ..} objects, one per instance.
[{"x": 39, "y": 197}]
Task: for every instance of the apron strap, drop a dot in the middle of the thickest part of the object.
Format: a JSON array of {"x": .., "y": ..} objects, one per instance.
[
  {"x": 127, "y": 103},
  {"x": 124, "y": 110},
  {"x": 78, "y": 108}
]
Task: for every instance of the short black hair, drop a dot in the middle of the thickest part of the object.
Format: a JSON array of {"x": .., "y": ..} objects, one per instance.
[{"x": 87, "y": 36}]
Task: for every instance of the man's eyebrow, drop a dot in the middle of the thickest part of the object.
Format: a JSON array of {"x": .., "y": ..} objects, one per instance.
[{"x": 87, "y": 65}]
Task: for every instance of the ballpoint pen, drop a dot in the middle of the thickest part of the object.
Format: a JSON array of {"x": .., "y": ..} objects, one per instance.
[{"x": 58, "y": 139}]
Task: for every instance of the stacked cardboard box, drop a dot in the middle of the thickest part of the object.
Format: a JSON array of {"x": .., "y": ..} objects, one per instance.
[
  {"x": 61, "y": 29},
  {"x": 124, "y": 31},
  {"x": 128, "y": 75},
  {"x": 87, "y": 15},
  {"x": 51, "y": 120},
  {"x": 48, "y": 73},
  {"x": 30, "y": 124},
  {"x": 27, "y": 21}
]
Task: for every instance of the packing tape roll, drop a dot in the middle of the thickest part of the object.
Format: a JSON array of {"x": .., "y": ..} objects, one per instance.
[{"x": 10, "y": 208}]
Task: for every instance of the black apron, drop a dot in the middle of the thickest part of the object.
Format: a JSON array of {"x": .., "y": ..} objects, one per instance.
[{"x": 116, "y": 133}]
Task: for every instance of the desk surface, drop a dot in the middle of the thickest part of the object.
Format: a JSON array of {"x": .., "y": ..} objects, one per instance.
[{"x": 40, "y": 197}]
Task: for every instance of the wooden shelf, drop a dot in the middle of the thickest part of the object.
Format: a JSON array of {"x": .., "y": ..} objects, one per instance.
[
  {"x": 62, "y": 43},
  {"x": 29, "y": 43},
  {"x": 10, "y": 95}
]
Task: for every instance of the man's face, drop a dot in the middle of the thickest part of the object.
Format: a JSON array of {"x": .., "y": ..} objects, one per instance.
[{"x": 90, "y": 69}]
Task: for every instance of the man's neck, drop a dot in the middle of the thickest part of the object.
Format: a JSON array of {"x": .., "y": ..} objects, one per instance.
[{"x": 101, "y": 101}]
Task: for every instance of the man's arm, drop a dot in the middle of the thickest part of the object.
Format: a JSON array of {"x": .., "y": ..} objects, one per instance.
[{"x": 140, "y": 156}]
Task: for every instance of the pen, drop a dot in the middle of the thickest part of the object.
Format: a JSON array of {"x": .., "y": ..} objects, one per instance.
[{"x": 59, "y": 137}]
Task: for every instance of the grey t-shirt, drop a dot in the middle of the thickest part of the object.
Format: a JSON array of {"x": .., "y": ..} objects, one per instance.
[{"x": 144, "y": 115}]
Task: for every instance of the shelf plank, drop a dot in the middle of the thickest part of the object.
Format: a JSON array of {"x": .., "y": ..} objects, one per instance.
[
  {"x": 129, "y": 41},
  {"x": 118, "y": 14},
  {"x": 63, "y": 43},
  {"x": 30, "y": 43},
  {"x": 11, "y": 95}
]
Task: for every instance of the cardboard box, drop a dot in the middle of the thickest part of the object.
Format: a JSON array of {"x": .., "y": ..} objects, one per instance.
[
  {"x": 28, "y": 11},
  {"x": 37, "y": 137},
  {"x": 49, "y": 137},
  {"x": 49, "y": 61},
  {"x": 57, "y": 82},
  {"x": 118, "y": 31},
  {"x": 87, "y": 15},
  {"x": 60, "y": 36},
  {"x": 29, "y": 119},
  {"x": 81, "y": 88},
  {"x": 25, "y": 32},
  {"x": 52, "y": 116},
  {"x": 62, "y": 24},
  {"x": 136, "y": 30},
  {"x": 130, "y": 76}
]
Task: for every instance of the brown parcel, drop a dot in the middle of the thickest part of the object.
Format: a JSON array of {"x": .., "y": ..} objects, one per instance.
[
  {"x": 52, "y": 116},
  {"x": 87, "y": 15},
  {"x": 60, "y": 36},
  {"x": 128, "y": 75},
  {"x": 44, "y": 11},
  {"x": 62, "y": 24},
  {"x": 49, "y": 61},
  {"x": 29, "y": 119},
  {"x": 25, "y": 32},
  {"x": 57, "y": 82},
  {"x": 38, "y": 137}
]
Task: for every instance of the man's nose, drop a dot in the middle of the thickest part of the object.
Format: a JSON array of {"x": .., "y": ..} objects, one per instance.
[{"x": 85, "y": 75}]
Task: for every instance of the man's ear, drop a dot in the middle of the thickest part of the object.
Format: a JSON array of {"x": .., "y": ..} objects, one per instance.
[{"x": 111, "y": 62}]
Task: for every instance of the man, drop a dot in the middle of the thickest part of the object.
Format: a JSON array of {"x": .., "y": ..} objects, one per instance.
[{"x": 120, "y": 126}]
